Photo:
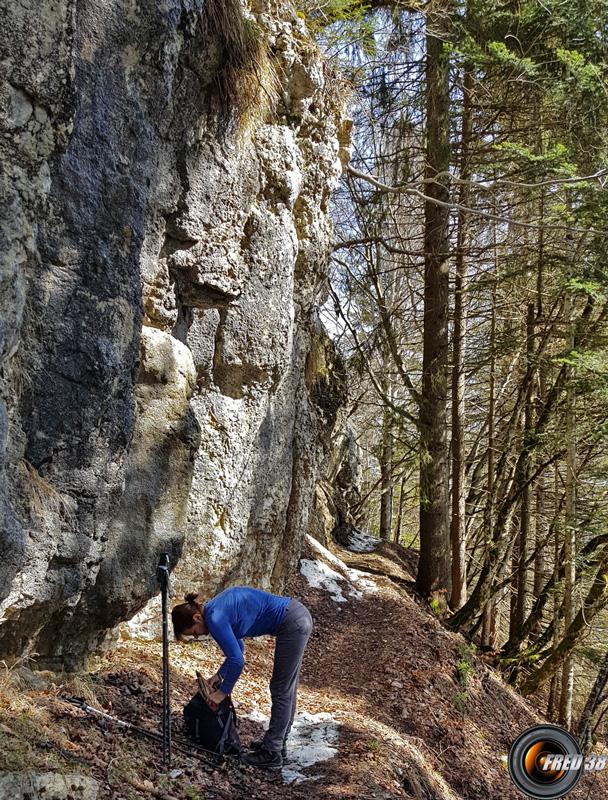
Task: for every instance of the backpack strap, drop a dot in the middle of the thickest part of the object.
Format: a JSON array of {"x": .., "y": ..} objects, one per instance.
[
  {"x": 231, "y": 720},
  {"x": 235, "y": 719},
  {"x": 221, "y": 745}
]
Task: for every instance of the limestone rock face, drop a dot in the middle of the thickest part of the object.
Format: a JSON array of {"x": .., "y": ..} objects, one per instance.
[
  {"x": 164, "y": 230},
  {"x": 50, "y": 785}
]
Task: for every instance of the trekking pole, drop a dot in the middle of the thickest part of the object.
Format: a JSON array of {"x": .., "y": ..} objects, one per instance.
[
  {"x": 188, "y": 748},
  {"x": 162, "y": 573}
]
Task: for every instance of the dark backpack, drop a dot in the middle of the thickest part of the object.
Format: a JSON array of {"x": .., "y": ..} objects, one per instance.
[{"x": 216, "y": 731}]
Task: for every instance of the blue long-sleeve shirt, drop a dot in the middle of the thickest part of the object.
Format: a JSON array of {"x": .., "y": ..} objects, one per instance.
[{"x": 237, "y": 613}]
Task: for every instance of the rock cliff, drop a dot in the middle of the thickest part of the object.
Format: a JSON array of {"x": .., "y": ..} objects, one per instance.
[{"x": 166, "y": 171}]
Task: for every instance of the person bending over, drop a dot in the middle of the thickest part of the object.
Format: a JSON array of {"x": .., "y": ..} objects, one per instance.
[{"x": 230, "y": 617}]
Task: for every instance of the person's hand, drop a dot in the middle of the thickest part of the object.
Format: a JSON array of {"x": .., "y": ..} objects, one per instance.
[
  {"x": 215, "y": 680},
  {"x": 217, "y": 696},
  {"x": 211, "y": 683}
]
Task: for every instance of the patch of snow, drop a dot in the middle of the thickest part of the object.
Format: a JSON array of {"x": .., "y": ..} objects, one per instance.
[
  {"x": 359, "y": 542},
  {"x": 313, "y": 738},
  {"x": 325, "y": 553},
  {"x": 362, "y": 579},
  {"x": 257, "y": 716},
  {"x": 295, "y": 776},
  {"x": 320, "y": 576}
]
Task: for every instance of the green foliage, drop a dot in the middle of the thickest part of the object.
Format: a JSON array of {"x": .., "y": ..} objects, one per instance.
[
  {"x": 464, "y": 668},
  {"x": 507, "y": 58},
  {"x": 587, "y": 76},
  {"x": 526, "y": 657},
  {"x": 554, "y": 160},
  {"x": 339, "y": 21},
  {"x": 328, "y": 13},
  {"x": 464, "y": 665},
  {"x": 193, "y": 793},
  {"x": 590, "y": 361},
  {"x": 463, "y": 671},
  {"x": 460, "y": 701},
  {"x": 435, "y": 606},
  {"x": 591, "y": 288}
]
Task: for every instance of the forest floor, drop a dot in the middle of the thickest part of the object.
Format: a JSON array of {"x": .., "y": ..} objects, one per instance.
[{"x": 391, "y": 705}]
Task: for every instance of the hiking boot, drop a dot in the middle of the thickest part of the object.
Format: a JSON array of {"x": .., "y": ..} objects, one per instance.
[
  {"x": 259, "y": 744},
  {"x": 263, "y": 758}
]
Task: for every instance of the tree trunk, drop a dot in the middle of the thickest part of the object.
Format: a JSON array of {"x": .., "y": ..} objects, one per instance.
[
  {"x": 539, "y": 559},
  {"x": 434, "y": 563},
  {"x": 386, "y": 472},
  {"x": 541, "y": 526},
  {"x": 489, "y": 626},
  {"x": 524, "y": 523},
  {"x": 501, "y": 547},
  {"x": 458, "y": 521},
  {"x": 555, "y": 689},
  {"x": 565, "y": 709},
  {"x": 554, "y": 693},
  {"x": 513, "y": 627},
  {"x": 400, "y": 510},
  {"x": 594, "y": 602},
  {"x": 596, "y": 696}
]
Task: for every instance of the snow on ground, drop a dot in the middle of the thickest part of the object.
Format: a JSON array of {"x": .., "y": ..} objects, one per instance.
[
  {"x": 360, "y": 542},
  {"x": 313, "y": 738},
  {"x": 320, "y": 576},
  {"x": 363, "y": 581},
  {"x": 325, "y": 553}
]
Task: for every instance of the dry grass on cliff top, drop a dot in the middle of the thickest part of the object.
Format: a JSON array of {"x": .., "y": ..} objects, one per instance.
[{"x": 380, "y": 663}]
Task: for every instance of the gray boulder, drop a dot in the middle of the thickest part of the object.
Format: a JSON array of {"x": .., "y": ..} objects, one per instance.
[{"x": 47, "y": 786}]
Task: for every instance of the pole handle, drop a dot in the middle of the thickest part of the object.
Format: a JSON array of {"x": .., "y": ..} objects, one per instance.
[{"x": 162, "y": 570}]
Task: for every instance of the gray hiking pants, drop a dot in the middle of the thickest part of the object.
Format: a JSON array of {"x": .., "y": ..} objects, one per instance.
[{"x": 292, "y": 637}]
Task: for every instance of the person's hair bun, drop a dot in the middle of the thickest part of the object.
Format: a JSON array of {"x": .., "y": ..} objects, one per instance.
[{"x": 191, "y": 597}]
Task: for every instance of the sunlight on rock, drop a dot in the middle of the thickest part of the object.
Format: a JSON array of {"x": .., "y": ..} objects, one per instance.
[{"x": 360, "y": 542}]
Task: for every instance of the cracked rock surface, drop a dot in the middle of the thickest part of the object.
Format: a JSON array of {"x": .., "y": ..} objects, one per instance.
[{"x": 164, "y": 382}]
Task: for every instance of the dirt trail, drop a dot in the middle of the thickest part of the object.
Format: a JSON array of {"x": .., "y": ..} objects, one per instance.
[{"x": 378, "y": 664}]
